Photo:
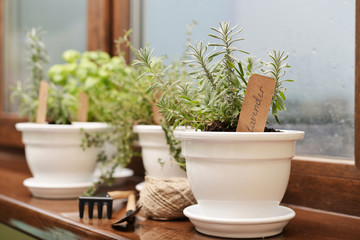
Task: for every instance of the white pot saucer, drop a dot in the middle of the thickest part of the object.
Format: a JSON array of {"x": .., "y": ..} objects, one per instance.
[
  {"x": 120, "y": 175},
  {"x": 56, "y": 190},
  {"x": 239, "y": 227}
]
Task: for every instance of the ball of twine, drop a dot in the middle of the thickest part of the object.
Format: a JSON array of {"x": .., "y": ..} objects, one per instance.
[{"x": 165, "y": 198}]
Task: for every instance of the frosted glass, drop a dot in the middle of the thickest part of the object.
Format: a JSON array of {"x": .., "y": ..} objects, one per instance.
[
  {"x": 64, "y": 23},
  {"x": 319, "y": 36}
]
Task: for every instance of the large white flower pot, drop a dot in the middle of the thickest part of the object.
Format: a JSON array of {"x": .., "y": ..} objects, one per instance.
[
  {"x": 54, "y": 154},
  {"x": 154, "y": 150},
  {"x": 238, "y": 175}
]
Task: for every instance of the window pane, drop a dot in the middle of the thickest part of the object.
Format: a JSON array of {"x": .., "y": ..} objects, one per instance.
[
  {"x": 64, "y": 23},
  {"x": 319, "y": 36}
]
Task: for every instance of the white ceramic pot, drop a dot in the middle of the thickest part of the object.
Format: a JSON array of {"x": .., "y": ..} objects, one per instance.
[
  {"x": 154, "y": 149},
  {"x": 238, "y": 175},
  {"x": 54, "y": 153}
]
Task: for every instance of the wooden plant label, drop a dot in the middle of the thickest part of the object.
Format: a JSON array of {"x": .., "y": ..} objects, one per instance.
[
  {"x": 256, "y": 105},
  {"x": 42, "y": 105},
  {"x": 157, "y": 117},
  {"x": 83, "y": 107}
]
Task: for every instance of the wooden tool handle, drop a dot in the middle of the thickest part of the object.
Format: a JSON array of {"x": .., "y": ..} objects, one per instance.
[
  {"x": 120, "y": 194},
  {"x": 131, "y": 204},
  {"x": 42, "y": 104}
]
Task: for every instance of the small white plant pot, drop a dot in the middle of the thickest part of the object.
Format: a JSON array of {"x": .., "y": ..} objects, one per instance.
[
  {"x": 54, "y": 154},
  {"x": 156, "y": 152},
  {"x": 238, "y": 175}
]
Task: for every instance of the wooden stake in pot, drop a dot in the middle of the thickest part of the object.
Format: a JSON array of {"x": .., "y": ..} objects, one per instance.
[
  {"x": 157, "y": 116},
  {"x": 256, "y": 105},
  {"x": 42, "y": 105},
  {"x": 83, "y": 107}
]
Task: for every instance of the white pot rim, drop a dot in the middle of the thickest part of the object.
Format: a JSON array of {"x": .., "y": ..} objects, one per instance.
[
  {"x": 74, "y": 126},
  {"x": 147, "y": 128},
  {"x": 283, "y": 135}
]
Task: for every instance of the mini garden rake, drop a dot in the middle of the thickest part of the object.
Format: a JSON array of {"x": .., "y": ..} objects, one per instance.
[{"x": 100, "y": 200}]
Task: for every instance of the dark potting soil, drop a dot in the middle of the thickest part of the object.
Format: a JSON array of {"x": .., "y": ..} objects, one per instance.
[
  {"x": 221, "y": 127},
  {"x": 67, "y": 123},
  {"x": 271, "y": 130}
]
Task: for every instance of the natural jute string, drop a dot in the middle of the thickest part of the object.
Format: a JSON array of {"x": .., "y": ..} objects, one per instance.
[{"x": 165, "y": 198}]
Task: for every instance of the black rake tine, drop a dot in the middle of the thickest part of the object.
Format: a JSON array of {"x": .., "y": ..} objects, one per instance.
[
  {"x": 91, "y": 208},
  {"x": 109, "y": 209},
  {"x": 81, "y": 208},
  {"x": 100, "y": 210},
  {"x": 83, "y": 201}
]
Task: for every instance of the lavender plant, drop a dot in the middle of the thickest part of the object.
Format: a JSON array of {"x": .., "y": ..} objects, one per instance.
[{"x": 211, "y": 96}]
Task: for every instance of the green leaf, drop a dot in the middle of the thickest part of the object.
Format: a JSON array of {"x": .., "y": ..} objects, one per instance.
[
  {"x": 282, "y": 95},
  {"x": 144, "y": 74},
  {"x": 216, "y": 45},
  {"x": 280, "y": 104},
  {"x": 274, "y": 109},
  {"x": 185, "y": 97},
  {"x": 230, "y": 64},
  {"x": 176, "y": 123},
  {"x": 151, "y": 88},
  {"x": 277, "y": 119},
  {"x": 214, "y": 36}
]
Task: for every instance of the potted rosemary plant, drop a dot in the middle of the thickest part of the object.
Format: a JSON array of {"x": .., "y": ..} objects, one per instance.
[
  {"x": 158, "y": 137},
  {"x": 132, "y": 112},
  {"x": 160, "y": 150},
  {"x": 237, "y": 178},
  {"x": 60, "y": 167}
]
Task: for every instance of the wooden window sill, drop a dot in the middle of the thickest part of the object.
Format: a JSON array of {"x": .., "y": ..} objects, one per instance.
[{"x": 39, "y": 217}]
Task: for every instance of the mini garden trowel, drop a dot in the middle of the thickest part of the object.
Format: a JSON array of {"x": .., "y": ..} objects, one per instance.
[{"x": 127, "y": 223}]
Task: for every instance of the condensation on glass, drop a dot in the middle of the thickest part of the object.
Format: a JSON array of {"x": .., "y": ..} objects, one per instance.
[
  {"x": 319, "y": 36},
  {"x": 64, "y": 23}
]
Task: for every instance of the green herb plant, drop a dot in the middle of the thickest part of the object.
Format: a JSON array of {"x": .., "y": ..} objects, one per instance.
[
  {"x": 115, "y": 97},
  {"x": 211, "y": 97},
  {"x": 101, "y": 77},
  {"x": 61, "y": 103},
  {"x": 128, "y": 102},
  {"x": 131, "y": 102},
  {"x": 122, "y": 104},
  {"x": 176, "y": 72}
]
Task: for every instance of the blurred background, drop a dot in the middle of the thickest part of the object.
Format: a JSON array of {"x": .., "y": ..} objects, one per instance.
[{"x": 319, "y": 36}]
